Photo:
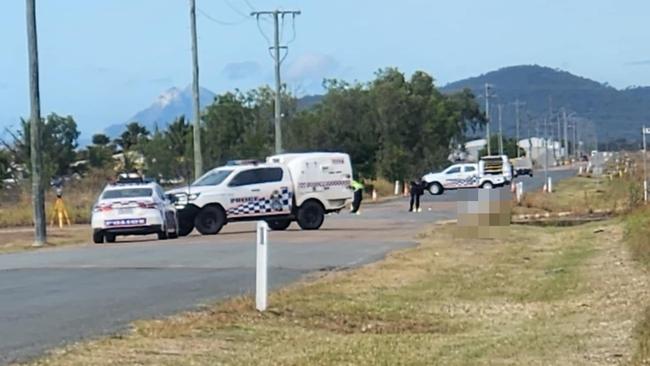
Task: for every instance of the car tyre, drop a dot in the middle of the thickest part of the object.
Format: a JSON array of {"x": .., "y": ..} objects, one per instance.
[
  {"x": 162, "y": 235},
  {"x": 279, "y": 225},
  {"x": 210, "y": 220},
  {"x": 435, "y": 188},
  {"x": 310, "y": 215},
  {"x": 487, "y": 185},
  {"x": 98, "y": 237},
  {"x": 110, "y": 238},
  {"x": 185, "y": 228}
]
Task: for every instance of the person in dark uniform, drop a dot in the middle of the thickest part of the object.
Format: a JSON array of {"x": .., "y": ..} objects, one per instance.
[
  {"x": 358, "y": 196},
  {"x": 417, "y": 190}
]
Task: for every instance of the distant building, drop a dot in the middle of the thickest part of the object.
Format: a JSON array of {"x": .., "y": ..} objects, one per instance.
[
  {"x": 536, "y": 150},
  {"x": 472, "y": 148}
]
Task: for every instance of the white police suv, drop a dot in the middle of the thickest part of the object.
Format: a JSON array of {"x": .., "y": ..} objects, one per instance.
[
  {"x": 133, "y": 206},
  {"x": 461, "y": 176}
]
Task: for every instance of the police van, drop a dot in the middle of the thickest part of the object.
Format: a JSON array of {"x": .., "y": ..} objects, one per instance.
[{"x": 284, "y": 188}]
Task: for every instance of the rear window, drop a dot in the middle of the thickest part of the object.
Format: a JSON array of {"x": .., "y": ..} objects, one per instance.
[{"x": 127, "y": 193}]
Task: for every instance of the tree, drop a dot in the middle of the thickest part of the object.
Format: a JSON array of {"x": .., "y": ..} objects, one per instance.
[
  {"x": 100, "y": 153},
  {"x": 132, "y": 142},
  {"x": 168, "y": 153},
  {"x": 509, "y": 147},
  {"x": 101, "y": 139},
  {"x": 5, "y": 165},
  {"x": 132, "y": 137},
  {"x": 58, "y": 143}
]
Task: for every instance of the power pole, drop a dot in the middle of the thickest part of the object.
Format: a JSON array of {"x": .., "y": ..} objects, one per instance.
[
  {"x": 517, "y": 104},
  {"x": 38, "y": 193},
  {"x": 546, "y": 123},
  {"x": 487, "y": 118},
  {"x": 566, "y": 136},
  {"x": 500, "y": 109},
  {"x": 276, "y": 14},
  {"x": 196, "y": 123}
]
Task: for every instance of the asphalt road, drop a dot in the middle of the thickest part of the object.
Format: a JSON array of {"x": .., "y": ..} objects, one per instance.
[{"x": 52, "y": 297}]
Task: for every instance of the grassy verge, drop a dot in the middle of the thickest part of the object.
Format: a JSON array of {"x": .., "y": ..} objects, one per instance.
[
  {"x": 637, "y": 237},
  {"x": 541, "y": 296},
  {"x": 583, "y": 195},
  {"x": 14, "y": 240}
]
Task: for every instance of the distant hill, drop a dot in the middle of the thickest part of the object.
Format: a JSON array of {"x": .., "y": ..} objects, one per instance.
[
  {"x": 169, "y": 105},
  {"x": 615, "y": 113}
]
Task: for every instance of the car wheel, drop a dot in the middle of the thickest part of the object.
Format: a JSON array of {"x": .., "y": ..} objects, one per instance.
[
  {"x": 281, "y": 224},
  {"x": 110, "y": 238},
  {"x": 487, "y": 185},
  {"x": 435, "y": 188},
  {"x": 185, "y": 228},
  {"x": 162, "y": 235},
  {"x": 310, "y": 215},
  {"x": 98, "y": 237},
  {"x": 210, "y": 220}
]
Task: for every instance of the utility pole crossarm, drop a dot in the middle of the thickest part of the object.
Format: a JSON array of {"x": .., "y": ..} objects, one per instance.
[{"x": 278, "y": 62}]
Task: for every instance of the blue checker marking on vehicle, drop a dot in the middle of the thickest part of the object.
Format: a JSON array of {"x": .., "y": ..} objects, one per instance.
[
  {"x": 125, "y": 222},
  {"x": 471, "y": 181},
  {"x": 279, "y": 201}
]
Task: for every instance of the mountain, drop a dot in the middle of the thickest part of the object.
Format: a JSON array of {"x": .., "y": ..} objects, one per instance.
[
  {"x": 169, "y": 105},
  {"x": 615, "y": 113}
]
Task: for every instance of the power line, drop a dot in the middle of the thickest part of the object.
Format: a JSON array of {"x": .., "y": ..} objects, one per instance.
[
  {"x": 218, "y": 21},
  {"x": 275, "y": 14}
]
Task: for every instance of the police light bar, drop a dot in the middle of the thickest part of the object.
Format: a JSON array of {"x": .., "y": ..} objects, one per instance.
[
  {"x": 132, "y": 178},
  {"x": 243, "y": 162}
]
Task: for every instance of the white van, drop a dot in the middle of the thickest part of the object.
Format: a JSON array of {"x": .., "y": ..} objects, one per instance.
[
  {"x": 285, "y": 188},
  {"x": 496, "y": 165}
]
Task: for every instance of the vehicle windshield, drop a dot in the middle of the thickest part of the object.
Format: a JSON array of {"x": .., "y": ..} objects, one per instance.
[
  {"x": 212, "y": 178},
  {"x": 127, "y": 193}
]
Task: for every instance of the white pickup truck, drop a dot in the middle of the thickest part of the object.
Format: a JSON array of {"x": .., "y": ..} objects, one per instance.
[
  {"x": 460, "y": 176},
  {"x": 285, "y": 188}
]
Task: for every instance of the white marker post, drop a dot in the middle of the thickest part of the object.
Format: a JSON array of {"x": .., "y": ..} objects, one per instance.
[
  {"x": 261, "y": 281},
  {"x": 397, "y": 188},
  {"x": 549, "y": 186}
]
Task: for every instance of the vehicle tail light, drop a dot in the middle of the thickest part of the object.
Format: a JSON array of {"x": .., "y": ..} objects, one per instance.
[
  {"x": 151, "y": 205},
  {"x": 102, "y": 208}
]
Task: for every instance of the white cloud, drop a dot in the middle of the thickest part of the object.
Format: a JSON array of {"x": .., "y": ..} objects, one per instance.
[{"x": 307, "y": 71}]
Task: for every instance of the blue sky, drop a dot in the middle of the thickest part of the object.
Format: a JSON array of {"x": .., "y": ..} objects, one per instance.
[{"x": 104, "y": 60}]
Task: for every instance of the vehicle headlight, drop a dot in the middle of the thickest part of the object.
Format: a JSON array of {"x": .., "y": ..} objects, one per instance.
[{"x": 193, "y": 196}]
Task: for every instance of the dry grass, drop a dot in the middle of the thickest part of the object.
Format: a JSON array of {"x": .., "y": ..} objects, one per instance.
[
  {"x": 582, "y": 195},
  {"x": 637, "y": 234},
  {"x": 19, "y": 239},
  {"x": 542, "y": 296},
  {"x": 16, "y": 203}
]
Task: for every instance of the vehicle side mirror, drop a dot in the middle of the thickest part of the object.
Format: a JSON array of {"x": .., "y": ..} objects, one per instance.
[{"x": 171, "y": 197}]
